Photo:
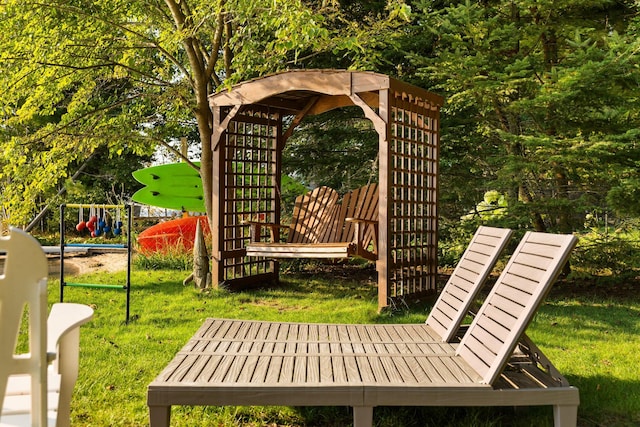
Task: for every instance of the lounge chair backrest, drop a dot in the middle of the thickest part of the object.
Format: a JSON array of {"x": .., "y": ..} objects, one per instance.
[
  {"x": 467, "y": 279},
  {"x": 512, "y": 302},
  {"x": 23, "y": 285},
  {"x": 312, "y": 215}
]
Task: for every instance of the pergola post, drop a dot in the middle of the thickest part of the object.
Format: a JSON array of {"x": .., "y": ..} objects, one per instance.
[
  {"x": 383, "y": 204},
  {"x": 217, "y": 145}
]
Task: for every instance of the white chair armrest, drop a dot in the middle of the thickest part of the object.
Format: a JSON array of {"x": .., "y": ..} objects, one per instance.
[{"x": 63, "y": 318}]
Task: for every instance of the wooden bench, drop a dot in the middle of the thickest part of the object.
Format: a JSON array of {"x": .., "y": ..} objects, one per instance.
[
  {"x": 322, "y": 226},
  {"x": 247, "y": 362}
]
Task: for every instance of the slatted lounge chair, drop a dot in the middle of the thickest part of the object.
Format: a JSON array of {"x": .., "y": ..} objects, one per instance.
[
  {"x": 323, "y": 227},
  {"x": 235, "y": 362},
  {"x": 35, "y": 387},
  {"x": 466, "y": 281}
]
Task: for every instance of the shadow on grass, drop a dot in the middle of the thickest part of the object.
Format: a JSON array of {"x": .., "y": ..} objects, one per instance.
[
  {"x": 404, "y": 416},
  {"x": 592, "y": 321},
  {"x": 607, "y": 401}
]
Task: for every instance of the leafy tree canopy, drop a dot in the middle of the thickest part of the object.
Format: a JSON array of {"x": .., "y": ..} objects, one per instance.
[
  {"x": 129, "y": 75},
  {"x": 542, "y": 103}
]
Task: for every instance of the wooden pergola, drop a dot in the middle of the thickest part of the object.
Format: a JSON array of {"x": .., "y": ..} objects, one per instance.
[{"x": 252, "y": 122}]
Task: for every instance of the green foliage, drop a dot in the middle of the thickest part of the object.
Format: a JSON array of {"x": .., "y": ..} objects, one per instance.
[
  {"x": 337, "y": 149},
  {"x": 624, "y": 198},
  {"x": 494, "y": 206},
  {"x": 609, "y": 250},
  {"x": 453, "y": 239},
  {"x": 542, "y": 103},
  {"x": 290, "y": 189},
  {"x": 127, "y": 76},
  {"x": 170, "y": 259},
  {"x": 106, "y": 177}
]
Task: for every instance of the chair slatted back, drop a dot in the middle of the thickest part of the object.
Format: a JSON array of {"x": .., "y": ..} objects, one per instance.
[
  {"x": 466, "y": 281},
  {"x": 512, "y": 302},
  {"x": 319, "y": 217},
  {"x": 23, "y": 285},
  {"x": 361, "y": 203},
  {"x": 312, "y": 215}
]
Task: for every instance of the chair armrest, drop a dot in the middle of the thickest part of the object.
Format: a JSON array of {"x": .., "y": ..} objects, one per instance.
[
  {"x": 256, "y": 230},
  {"x": 361, "y": 220},
  {"x": 63, "y": 318},
  {"x": 63, "y": 344},
  {"x": 361, "y": 226}
]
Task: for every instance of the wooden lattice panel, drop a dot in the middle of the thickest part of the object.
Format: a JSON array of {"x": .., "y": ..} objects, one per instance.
[
  {"x": 413, "y": 152},
  {"x": 251, "y": 188}
]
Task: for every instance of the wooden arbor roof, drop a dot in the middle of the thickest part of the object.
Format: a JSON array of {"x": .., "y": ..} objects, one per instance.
[{"x": 252, "y": 122}]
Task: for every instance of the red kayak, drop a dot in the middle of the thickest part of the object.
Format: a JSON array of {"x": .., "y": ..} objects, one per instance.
[{"x": 177, "y": 234}]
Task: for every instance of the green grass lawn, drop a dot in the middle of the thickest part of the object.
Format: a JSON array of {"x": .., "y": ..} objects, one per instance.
[{"x": 594, "y": 342}]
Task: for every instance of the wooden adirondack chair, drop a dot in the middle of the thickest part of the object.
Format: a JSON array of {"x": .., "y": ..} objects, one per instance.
[
  {"x": 36, "y": 386},
  {"x": 278, "y": 363},
  {"x": 323, "y": 227}
]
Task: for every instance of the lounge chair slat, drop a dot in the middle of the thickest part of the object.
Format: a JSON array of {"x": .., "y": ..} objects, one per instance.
[
  {"x": 488, "y": 338},
  {"x": 357, "y": 368},
  {"x": 168, "y": 374},
  {"x": 520, "y": 291},
  {"x": 459, "y": 372},
  {"x": 468, "y": 271},
  {"x": 446, "y": 312},
  {"x": 248, "y": 370},
  {"x": 376, "y": 334},
  {"x": 378, "y": 373},
  {"x": 326, "y": 369},
  {"x": 478, "y": 257},
  {"x": 457, "y": 293},
  {"x": 495, "y": 320},
  {"x": 447, "y": 375},
  {"x": 508, "y": 305},
  {"x": 261, "y": 367},
  {"x": 533, "y": 260},
  {"x": 427, "y": 365},
  {"x": 273, "y": 369},
  {"x": 528, "y": 268},
  {"x": 416, "y": 370},
  {"x": 301, "y": 367},
  {"x": 395, "y": 369},
  {"x": 286, "y": 370},
  {"x": 235, "y": 368},
  {"x": 182, "y": 371},
  {"x": 424, "y": 332}
]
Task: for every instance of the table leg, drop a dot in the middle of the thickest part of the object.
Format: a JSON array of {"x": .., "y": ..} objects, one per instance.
[{"x": 159, "y": 416}]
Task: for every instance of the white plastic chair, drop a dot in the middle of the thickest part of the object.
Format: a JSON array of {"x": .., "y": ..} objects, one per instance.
[{"x": 35, "y": 386}]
